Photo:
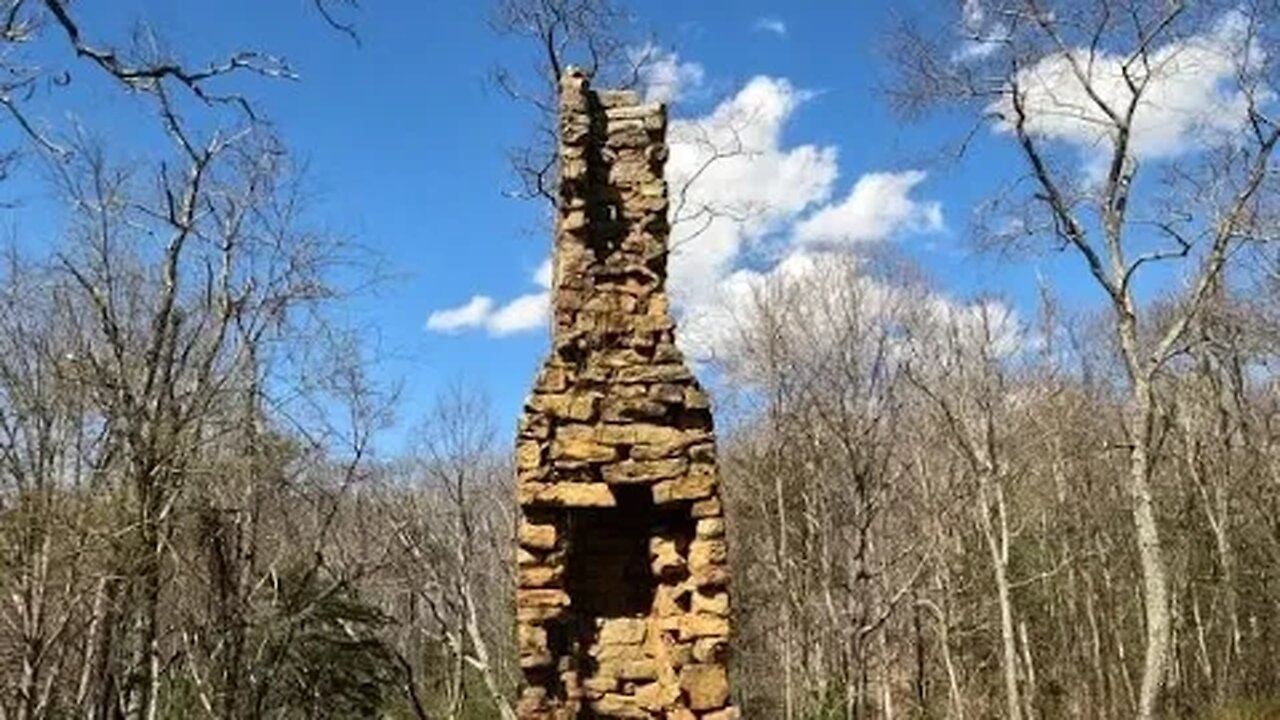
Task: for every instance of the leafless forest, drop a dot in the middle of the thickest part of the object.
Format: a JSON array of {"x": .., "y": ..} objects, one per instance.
[{"x": 935, "y": 511}]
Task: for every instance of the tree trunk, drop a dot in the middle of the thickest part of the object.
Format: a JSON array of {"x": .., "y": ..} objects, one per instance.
[
  {"x": 1155, "y": 581},
  {"x": 997, "y": 545}
]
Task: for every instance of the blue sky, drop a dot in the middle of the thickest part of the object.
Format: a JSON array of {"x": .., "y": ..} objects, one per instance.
[{"x": 406, "y": 138}]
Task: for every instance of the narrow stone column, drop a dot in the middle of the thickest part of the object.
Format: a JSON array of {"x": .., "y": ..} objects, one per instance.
[{"x": 622, "y": 598}]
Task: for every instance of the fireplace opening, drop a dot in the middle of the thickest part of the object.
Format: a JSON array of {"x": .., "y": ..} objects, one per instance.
[{"x": 610, "y": 564}]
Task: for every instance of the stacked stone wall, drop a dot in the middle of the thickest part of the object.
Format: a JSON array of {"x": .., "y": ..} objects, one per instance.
[{"x": 622, "y": 588}]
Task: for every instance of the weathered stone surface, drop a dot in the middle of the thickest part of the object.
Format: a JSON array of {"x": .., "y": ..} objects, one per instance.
[
  {"x": 541, "y": 597},
  {"x": 600, "y": 684},
  {"x": 693, "y": 487},
  {"x": 566, "y": 495},
  {"x": 665, "y": 557},
  {"x": 615, "y": 705},
  {"x": 621, "y": 409},
  {"x": 538, "y": 576},
  {"x": 528, "y": 455},
  {"x": 644, "y": 471},
  {"x": 712, "y": 527},
  {"x": 581, "y": 449},
  {"x": 708, "y": 508},
  {"x": 672, "y": 373},
  {"x": 572, "y": 406},
  {"x": 641, "y": 669},
  {"x": 657, "y": 695},
  {"x": 711, "y": 603},
  {"x": 706, "y": 685},
  {"x": 537, "y": 537},
  {"x": 532, "y": 641},
  {"x": 710, "y": 649},
  {"x": 621, "y": 631},
  {"x": 615, "y": 452},
  {"x": 698, "y": 626},
  {"x": 617, "y": 653}
]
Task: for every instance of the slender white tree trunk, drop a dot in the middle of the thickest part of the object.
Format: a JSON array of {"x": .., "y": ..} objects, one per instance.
[{"x": 1155, "y": 581}]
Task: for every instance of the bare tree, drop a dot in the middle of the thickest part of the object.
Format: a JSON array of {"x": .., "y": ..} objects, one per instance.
[
  {"x": 599, "y": 36},
  {"x": 452, "y": 527},
  {"x": 1110, "y": 61}
]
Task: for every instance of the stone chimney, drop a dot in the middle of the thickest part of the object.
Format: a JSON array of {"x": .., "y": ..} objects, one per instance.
[{"x": 622, "y": 598}]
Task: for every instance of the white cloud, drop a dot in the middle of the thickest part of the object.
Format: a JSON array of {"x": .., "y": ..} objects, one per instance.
[
  {"x": 820, "y": 305},
  {"x": 770, "y": 24},
  {"x": 1190, "y": 99},
  {"x": 878, "y": 207},
  {"x": 732, "y": 181},
  {"x": 471, "y": 314},
  {"x": 664, "y": 76},
  {"x": 711, "y": 328},
  {"x": 526, "y": 312}
]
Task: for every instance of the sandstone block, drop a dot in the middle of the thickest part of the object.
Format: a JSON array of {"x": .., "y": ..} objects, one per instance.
[
  {"x": 536, "y": 576},
  {"x": 533, "y": 427},
  {"x": 552, "y": 380},
  {"x": 706, "y": 686},
  {"x": 643, "y": 669},
  {"x": 635, "y": 137},
  {"x": 699, "y": 626},
  {"x": 532, "y": 642},
  {"x": 690, "y": 487},
  {"x": 537, "y": 537},
  {"x": 580, "y": 407},
  {"x": 613, "y": 99},
  {"x": 541, "y": 597},
  {"x": 644, "y": 471},
  {"x": 711, "y": 507},
  {"x": 710, "y": 528},
  {"x": 708, "y": 552},
  {"x": 669, "y": 393},
  {"x": 539, "y": 614},
  {"x": 642, "y": 434},
  {"x": 572, "y": 494},
  {"x": 528, "y": 455},
  {"x": 625, "y": 409},
  {"x": 657, "y": 695},
  {"x": 600, "y": 684},
  {"x": 586, "y": 450},
  {"x": 613, "y": 654},
  {"x": 655, "y": 323},
  {"x": 666, "y": 351},
  {"x": 533, "y": 699},
  {"x": 696, "y": 398},
  {"x": 671, "y": 373},
  {"x": 711, "y": 603},
  {"x": 703, "y": 453},
  {"x": 621, "y": 631},
  {"x": 664, "y": 557},
  {"x": 613, "y": 705},
  {"x": 710, "y": 649},
  {"x": 641, "y": 111}
]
